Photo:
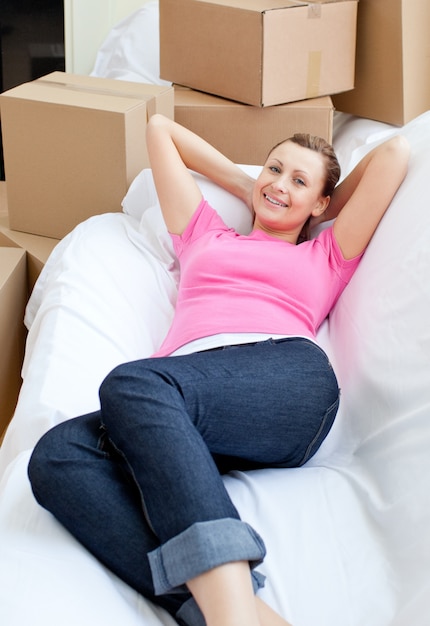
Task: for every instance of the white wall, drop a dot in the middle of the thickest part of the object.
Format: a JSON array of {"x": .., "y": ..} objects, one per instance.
[{"x": 86, "y": 25}]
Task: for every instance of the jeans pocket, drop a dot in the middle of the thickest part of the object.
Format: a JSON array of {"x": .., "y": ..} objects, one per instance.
[{"x": 323, "y": 431}]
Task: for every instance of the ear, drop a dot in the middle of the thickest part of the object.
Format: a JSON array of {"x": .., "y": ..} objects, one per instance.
[{"x": 321, "y": 206}]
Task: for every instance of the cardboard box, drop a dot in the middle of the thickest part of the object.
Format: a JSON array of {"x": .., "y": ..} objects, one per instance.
[
  {"x": 263, "y": 52},
  {"x": 37, "y": 248},
  {"x": 245, "y": 133},
  {"x": 22, "y": 257},
  {"x": 393, "y": 62},
  {"x": 72, "y": 146},
  {"x": 13, "y": 298}
]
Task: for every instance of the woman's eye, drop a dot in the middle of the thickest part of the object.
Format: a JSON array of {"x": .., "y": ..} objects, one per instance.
[
  {"x": 275, "y": 169},
  {"x": 299, "y": 181}
]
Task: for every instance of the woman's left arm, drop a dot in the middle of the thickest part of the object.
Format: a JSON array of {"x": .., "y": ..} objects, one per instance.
[{"x": 360, "y": 201}]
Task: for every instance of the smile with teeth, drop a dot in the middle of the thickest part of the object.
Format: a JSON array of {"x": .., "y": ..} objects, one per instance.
[{"x": 273, "y": 201}]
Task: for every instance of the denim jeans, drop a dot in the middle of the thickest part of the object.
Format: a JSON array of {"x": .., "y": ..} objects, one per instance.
[{"x": 139, "y": 483}]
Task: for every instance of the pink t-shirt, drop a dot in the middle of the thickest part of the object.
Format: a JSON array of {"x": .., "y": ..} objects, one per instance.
[{"x": 254, "y": 283}]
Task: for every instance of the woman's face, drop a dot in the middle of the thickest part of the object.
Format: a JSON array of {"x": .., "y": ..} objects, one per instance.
[{"x": 289, "y": 190}]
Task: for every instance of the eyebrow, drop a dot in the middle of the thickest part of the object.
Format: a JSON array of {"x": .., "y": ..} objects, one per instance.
[
  {"x": 302, "y": 172},
  {"x": 296, "y": 170}
]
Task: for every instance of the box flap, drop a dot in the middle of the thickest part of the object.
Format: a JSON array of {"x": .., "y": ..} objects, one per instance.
[
  {"x": 111, "y": 85},
  {"x": 10, "y": 259},
  {"x": 258, "y": 5},
  {"x": 262, "y": 6},
  {"x": 86, "y": 92}
]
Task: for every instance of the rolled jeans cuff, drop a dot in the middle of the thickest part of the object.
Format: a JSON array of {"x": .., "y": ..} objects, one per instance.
[{"x": 202, "y": 547}]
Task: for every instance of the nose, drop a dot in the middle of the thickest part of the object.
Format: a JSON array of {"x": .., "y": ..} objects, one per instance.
[{"x": 280, "y": 184}]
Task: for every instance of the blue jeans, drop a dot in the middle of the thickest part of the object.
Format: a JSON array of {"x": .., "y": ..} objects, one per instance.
[{"x": 139, "y": 483}]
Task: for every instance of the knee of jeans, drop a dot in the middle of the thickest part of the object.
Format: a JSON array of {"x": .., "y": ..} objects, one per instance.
[
  {"x": 125, "y": 382},
  {"x": 40, "y": 468},
  {"x": 113, "y": 383}
]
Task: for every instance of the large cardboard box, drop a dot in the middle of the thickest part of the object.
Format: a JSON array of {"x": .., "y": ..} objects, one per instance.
[
  {"x": 246, "y": 133},
  {"x": 72, "y": 146},
  {"x": 13, "y": 298},
  {"x": 259, "y": 52},
  {"x": 393, "y": 62}
]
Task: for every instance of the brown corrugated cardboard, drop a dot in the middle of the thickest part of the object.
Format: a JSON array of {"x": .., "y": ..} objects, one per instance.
[
  {"x": 72, "y": 146},
  {"x": 38, "y": 248},
  {"x": 259, "y": 52},
  {"x": 13, "y": 298},
  {"x": 22, "y": 257},
  {"x": 393, "y": 62},
  {"x": 246, "y": 133}
]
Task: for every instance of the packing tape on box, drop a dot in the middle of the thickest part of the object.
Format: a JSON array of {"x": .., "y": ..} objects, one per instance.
[
  {"x": 95, "y": 90},
  {"x": 314, "y": 9},
  {"x": 314, "y": 73}
]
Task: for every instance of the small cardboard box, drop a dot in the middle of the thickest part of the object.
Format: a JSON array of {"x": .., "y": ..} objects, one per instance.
[
  {"x": 72, "y": 146},
  {"x": 259, "y": 52},
  {"x": 246, "y": 133},
  {"x": 393, "y": 62},
  {"x": 38, "y": 249},
  {"x": 13, "y": 298}
]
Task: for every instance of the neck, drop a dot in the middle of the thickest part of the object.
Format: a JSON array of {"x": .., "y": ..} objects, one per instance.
[{"x": 290, "y": 237}]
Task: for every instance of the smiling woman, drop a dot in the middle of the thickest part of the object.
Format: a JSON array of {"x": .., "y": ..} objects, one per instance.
[{"x": 238, "y": 383}]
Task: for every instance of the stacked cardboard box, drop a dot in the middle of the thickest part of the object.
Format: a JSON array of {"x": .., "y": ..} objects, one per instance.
[
  {"x": 13, "y": 292},
  {"x": 257, "y": 71},
  {"x": 246, "y": 133},
  {"x": 22, "y": 257},
  {"x": 72, "y": 146},
  {"x": 393, "y": 62}
]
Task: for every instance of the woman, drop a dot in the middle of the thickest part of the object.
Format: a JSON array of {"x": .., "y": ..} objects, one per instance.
[{"x": 139, "y": 482}]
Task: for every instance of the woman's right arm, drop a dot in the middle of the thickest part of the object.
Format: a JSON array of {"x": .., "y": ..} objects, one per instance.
[{"x": 174, "y": 151}]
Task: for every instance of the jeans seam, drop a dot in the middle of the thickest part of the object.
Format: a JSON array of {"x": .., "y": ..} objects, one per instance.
[
  {"x": 327, "y": 414},
  {"x": 130, "y": 469}
]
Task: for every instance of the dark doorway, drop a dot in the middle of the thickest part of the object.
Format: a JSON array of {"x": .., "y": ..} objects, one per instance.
[{"x": 31, "y": 42}]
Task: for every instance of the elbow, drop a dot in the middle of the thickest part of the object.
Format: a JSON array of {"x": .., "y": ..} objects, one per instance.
[
  {"x": 395, "y": 154},
  {"x": 399, "y": 149},
  {"x": 404, "y": 149},
  {"x": 402, "y": 144},
  {"x": 156, "y": 120}
]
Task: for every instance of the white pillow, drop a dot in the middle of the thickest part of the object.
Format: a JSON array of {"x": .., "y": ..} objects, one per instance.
[
  {"x": 102, "y": 298},
  {"x": 379, "y": 334},
  {"x": 351, "y": 132}
]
